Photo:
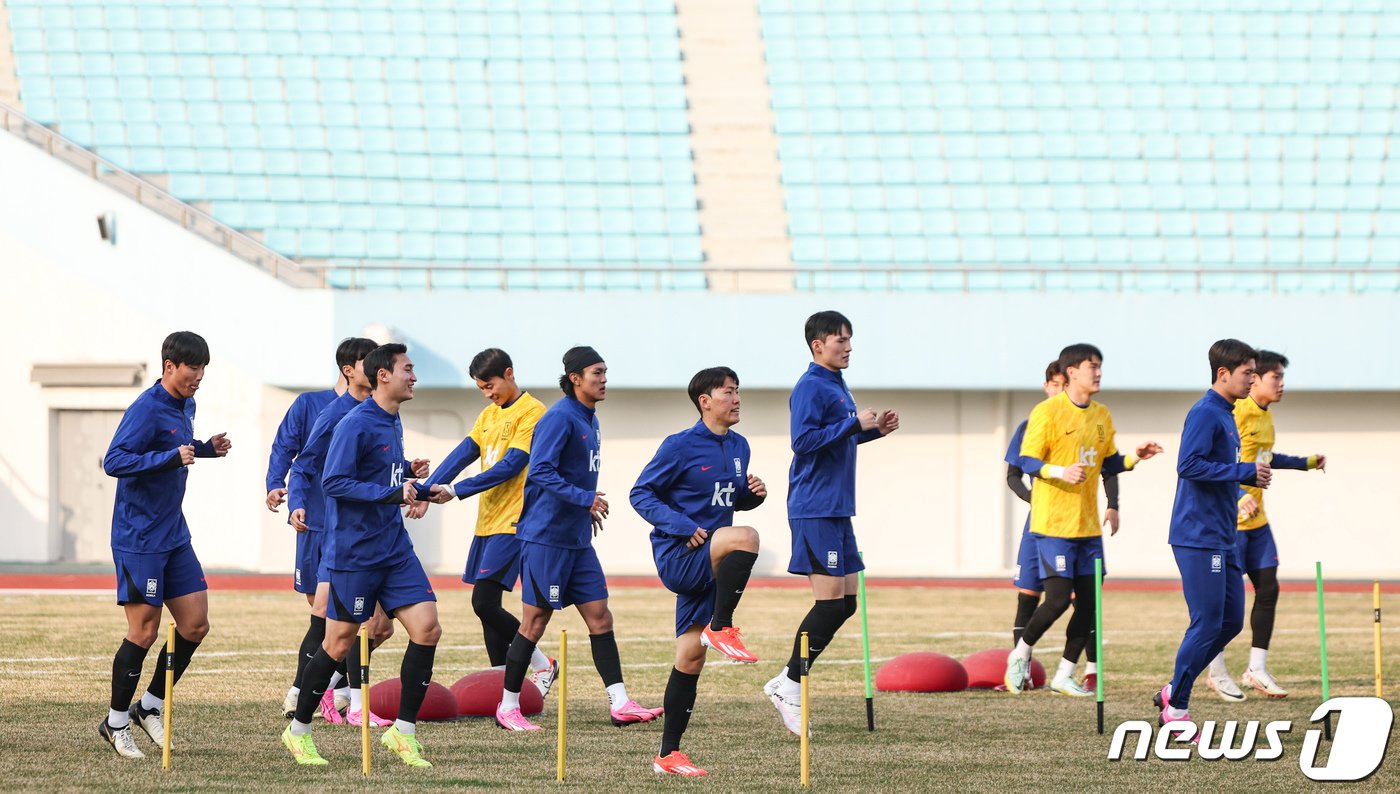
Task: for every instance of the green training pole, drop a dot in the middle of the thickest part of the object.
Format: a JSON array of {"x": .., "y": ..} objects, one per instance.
[
  {"x": 1322, "y": 650},
  {"x": 865, "y": 643},
  {"x": 1098, "y": 635}
]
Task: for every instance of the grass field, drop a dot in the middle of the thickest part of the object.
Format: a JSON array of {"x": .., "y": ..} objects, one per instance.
[{"x": 58, "y": 650}]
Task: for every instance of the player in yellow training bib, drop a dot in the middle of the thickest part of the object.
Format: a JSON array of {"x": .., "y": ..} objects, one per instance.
[
  {"x": 1254, "y": 540},
  {"x": 501, "y": 438},
  {"x": 1068, "y": 445}
]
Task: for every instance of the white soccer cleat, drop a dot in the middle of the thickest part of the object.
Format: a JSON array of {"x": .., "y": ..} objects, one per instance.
[
  {"x": 543, "y": 678},
  {"x": 150, "y": 722},
  {"x": 1066, "y": 685},
  {"x": 120, "y": 739},
  {"x": 1225, "y": 687},
  {"x": 789, "y": 709},
  {"x": 1262, "y": 681},
  {"x": 1018, "y": 672},
  {"x": 289, "y": 704}
]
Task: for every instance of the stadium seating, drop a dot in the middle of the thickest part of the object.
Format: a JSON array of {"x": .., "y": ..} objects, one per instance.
[
  {"x": 394, "y": 140},
  {"x": 1087, "y": 144}
]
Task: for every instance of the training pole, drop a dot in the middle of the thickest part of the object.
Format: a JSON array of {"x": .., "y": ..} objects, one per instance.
[
  {"x": 1376, "y": 598},
  {"x": 865, "y": 646},
  {"x": 165, "y": 716},
  {"x": 1322, "y": 652},
  {"x": 365, "y": 710},
  {"x": 561, "y": 750},
  {"x": 805, "y": 741},
  {"x": 1098, "y": 636}
]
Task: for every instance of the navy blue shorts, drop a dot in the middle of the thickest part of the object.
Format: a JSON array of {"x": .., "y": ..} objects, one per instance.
[
  {"x": 308, "y": 571},
  {"x": 1028, "y": 562},
  {"x": 156, "y": 578},
  {"x": 824, "y": 546},
  {"x": 494, "y": 558},
  {"x": 554, "y": 578},
  {"x": 1068, "y": 557},
  {"x": 1255, "y": 549},
  {"x": 354, "y": 593},
  {"x": 689, "y": 574}
]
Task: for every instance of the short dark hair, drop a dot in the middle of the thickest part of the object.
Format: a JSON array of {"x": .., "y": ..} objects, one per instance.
[
  {"x": 184, "y": 347},
  {"x": 490, "y": 363},
  {"x": 824, "y": 324},
  {"x": 1230, "y": 354},
  {"x": 1266, "y": 361},
  {"x": 707, "y": 380},
  {"x": 382, "y": 357},
  {"x": 1077, "y": 354},
  {"x": 353, "y": 349},
  {"x": 1053, "y": 371}
]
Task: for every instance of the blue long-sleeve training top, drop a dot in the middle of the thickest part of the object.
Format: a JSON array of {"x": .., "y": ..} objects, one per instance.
[
  {"x": 565, "y": 456},
  {"x": 825, "y": 432},
  {"x": 144, "y": 456},
  {"x": 363, "y": 481},
  {"x": 293, "y": 433},
  {"x": 1209, "y": 472},
  {"x": 304, "y": 490},
  {"x": 696, "y": 480},
  {"x": 462, "y": 456}
]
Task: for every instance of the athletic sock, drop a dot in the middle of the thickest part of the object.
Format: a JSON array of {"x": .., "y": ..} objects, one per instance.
[
  {"x": 1025, "y": 607},
  {"x": 407, "y": 728},
  {"x": 126, "y": 675},
  {"x": 821, "y": 624},
  {"x": 150, "y": 702},
  {"x": 1175, "y": 713},
  {"x": 1258, "y": 658},
  {"x": 315, "y": 679},
  {"x": 509, "y": 700},
  {"x": 414, "y": 675},
  {"x": 116, "y": 720},
  {"x": 184, "y": 649},
  {"x": 1091, "y": 668},
  {"x": 679, "y": 700},
  {"x": 617, "y": 695},
  {"x": 731, "y": 577},
  {"x": 1217, "y": 666},
  {"x": 1065, "y": 670},
  {"x": 538, "y": 661},
  {"x": 517, "y": 662},
  {"x": 338, "y": 680},
  {"x": 315, "y": 635},
  {"x": 606, "y": 659},
  {"x": 300, "y": 728},
  {"x": 1022, "y": 651},
  {"x": 356, "y": 704}
]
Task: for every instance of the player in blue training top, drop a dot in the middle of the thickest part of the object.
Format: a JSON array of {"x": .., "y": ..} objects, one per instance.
[
  {"x": 296, "y": 425},
  {"x": 826, "y": 427},
  {"x": 558, "y": 566},
  {"x": 1202, "y": 534},
  {"x": 150, "y": 456},
  {"x": 688, "y": 493},
  {"x": 307, "y": 504},
  {"x": 368, "y": 556}
]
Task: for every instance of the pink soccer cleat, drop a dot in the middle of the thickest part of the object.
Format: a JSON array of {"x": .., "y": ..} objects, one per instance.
[
  {"x": 632, "y": 712},
  {"x": 514, "y": 720},
  {"x": 329, "y": 712},
  {"x": 1162, "y": 700},
  {"x": 375, "y": 721}
]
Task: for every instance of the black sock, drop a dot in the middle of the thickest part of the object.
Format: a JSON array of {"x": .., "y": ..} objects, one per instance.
[
  {"x": 350, "y": 665},
  {"x": 1079, "y": 634},
  {"x": 126, "y": 674},
  {"x": 679, "y": 700},
  {"x": 1057, "y": 591},
  {"x": 184, "y": 649},
  {"x": 605, "y": 657},
  {"x": 518, "y": 662},
  {"x": 1261, "y": 616},
  {"x": 821, "y": 624},
  {"x": 315, "y": 635},
  {"x": 1025, "y": 607},
  {"x": 414, "y": 675},
  {"x": 731, "y": 576},
  {"x": 315, "y": 678},
  {"x": 852, "y": 606},
  {"x": 498, "y": 626}
]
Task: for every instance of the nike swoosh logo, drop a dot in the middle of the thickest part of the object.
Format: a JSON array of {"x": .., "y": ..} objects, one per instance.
[
  {"x": 706, "y": 468},
  {"x": 738, "y": 592},
  {"x": 425, "y": 683},
  {"x": 1069, "y": 432},
  {"x": 132, "y": 675}
]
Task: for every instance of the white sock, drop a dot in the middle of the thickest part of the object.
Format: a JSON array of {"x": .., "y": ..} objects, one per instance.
[
  {"x": 1091, "y": 668},
  {"x": 150, "y": 702},
  {"x": 1022, "y": 651},
  {"x": 617, "y": 695},
  {"x": 783, "y": 674},
  {"x": 406, "y": 728},
  {"x": 789, "y": 688},
  {"x": 293, "y": 691},
  {"x": 538, "y": 661},
  {"x": 355, "y": 702},
  {"x": 1175, "y": 713},
  {"x": 1065, "y": 670},
  {"x": 336, "y": 679},
  {"x": 118, "y": 719},
  {"x": 1257, "y": 658},
  {"x": 499, "y": 667},
  {"x": 1217, "y": 666},
  {"x": 509, "y": 700},
  {"x": 300, "y": 728}
]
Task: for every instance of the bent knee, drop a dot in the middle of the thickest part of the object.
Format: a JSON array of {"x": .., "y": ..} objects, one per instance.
[
  {"x": 195, "y": 632},
  {"x": 746, "y": 538}
]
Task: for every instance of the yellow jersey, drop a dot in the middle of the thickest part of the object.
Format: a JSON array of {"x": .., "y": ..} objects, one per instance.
[
  {"x": 1060, "y": 433},
  {"x": 496, "y": 431},
  {"x": 1256, "y": 427}
]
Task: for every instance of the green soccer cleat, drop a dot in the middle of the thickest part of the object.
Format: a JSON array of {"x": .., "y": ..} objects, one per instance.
[
  {"x": 405, "y": 746},
  {"x": 1017, "y": 671},
  {"x": 1068, "y": 686},
  {"x": 302, "y": 748}
]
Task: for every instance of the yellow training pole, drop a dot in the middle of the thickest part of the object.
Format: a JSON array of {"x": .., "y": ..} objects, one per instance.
[
  {"x": 803, "y": 737},
  {"x": 365, "y": 711},
  {"x": 1376, "y": 598},
  {"x": 169, "y": 696},
  {"x": 563, "y": 684}
]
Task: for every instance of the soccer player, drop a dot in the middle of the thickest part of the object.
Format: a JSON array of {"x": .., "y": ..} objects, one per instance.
[
  {"x": 1069, "y": 443},
  {"x": 307, "y": 504},
  {"x": 826, "y": 427},
  {"x": 150, "y": 456},
  {"x": 1202, "y": 534},
  {"x": 688, "y": 493},
  {"x": 501, "y": 438},
  {"x": 292, "y": 432},
  {"x": 558, "y": 566},
  {"x": 369, "y": 557},
  {"x": 1254, "y": 540},
  {"x": 1028, "y": 582}
]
